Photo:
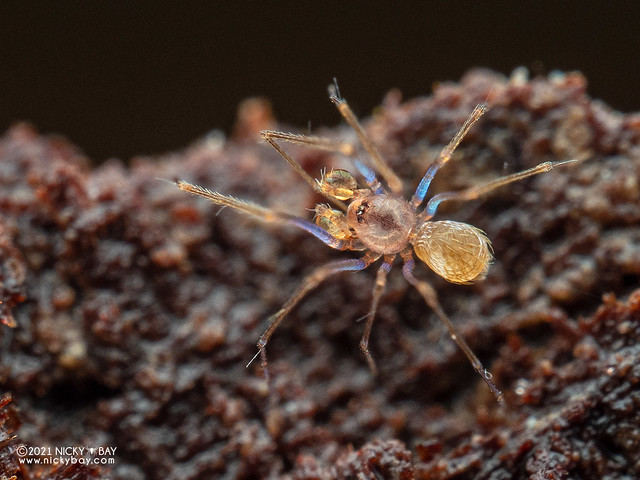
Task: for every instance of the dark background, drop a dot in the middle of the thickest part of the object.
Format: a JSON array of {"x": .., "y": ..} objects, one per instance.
[{"x": 121, "y": 79}]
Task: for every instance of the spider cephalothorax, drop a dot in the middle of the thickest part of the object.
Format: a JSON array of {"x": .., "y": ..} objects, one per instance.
[
  {"x": 383, "y": 223},
  {"x": 380, "y": 222}
]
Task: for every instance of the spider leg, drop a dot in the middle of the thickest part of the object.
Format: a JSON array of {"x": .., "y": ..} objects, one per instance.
[
  {"x": 310, "y": 282},
  {"x": 370, "y": 178},
  {"x": 269, "y": 215},
  {"x": 378, "y": 290},
  {"x": 430, "y": 297},
  {"x": 445, "y": 155},
  {"x": 326, "y": 144},
  {"x": 475, "y": 192},
  {"x": 270, "y": 137},
  {"x": 319, "y": 143},
  {"x": 379, "y": 163}
]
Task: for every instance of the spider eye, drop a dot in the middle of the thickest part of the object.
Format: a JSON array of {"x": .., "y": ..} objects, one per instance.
[{"x": 361, "y": 210}]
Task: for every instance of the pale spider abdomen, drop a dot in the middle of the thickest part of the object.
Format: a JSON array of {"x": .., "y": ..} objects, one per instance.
[{"x": 458, "y": 252}]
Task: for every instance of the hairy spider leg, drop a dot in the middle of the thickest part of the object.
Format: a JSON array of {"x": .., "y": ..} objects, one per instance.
[
  {"x": 379, "y": 164},
  {"x": 378, "y": 290},
  {"x": 269, "y": 215},
  {"x": 310, "y": 282},
  {"x": 269, "y": 136},
  {"x": 475, "y": 192},
  {"x": 430, "y": 297},
  {"x": 311, "y": 141},
  {"x": 325, "y": 144},
  {"x": 445, "y": 155}
]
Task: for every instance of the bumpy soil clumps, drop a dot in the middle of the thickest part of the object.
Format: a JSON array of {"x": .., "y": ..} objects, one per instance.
[{"x": 131, "y": 308}]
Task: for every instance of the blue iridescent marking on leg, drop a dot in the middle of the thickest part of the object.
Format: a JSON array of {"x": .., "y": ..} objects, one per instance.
[
  {"x": 424, "y": 184},
  {"x": 368, "y": 174},
  {"x": 353, "y": 264},
  {"x": 318, "y": 232},
  {"x": 407, "y": 268},
  {"x": 433, "y": 205},
  {"x": 369, "y": 177}
]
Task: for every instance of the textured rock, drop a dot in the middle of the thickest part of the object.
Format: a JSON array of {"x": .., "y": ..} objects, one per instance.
[{"x": 138, "y": 306}]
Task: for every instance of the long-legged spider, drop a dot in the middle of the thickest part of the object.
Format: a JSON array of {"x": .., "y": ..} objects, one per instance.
[{"x": 378, "y": 221}]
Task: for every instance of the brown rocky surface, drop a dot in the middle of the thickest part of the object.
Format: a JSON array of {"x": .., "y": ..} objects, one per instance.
[{"x": 137, "y": 306}]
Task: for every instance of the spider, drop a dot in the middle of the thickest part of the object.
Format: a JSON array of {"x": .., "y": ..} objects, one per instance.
[{"x": 378, "y": 221}]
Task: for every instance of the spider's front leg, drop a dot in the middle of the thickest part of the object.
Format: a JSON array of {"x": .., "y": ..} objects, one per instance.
[
  {"x": 340, "y": 240},
  {"x": 271, "y": 138},
  {"x": 268, "y": 215},
  {"x": 380, "y": 165}
]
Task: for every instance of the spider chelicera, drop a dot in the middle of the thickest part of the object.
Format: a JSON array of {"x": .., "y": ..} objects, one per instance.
[{"x": 380, "y": 222}]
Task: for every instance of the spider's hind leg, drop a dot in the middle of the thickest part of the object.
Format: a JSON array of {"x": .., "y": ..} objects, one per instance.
[
  {"x": 430, "y": 297},
  {"x": 310, "y": 282},
  {"x": 378, "y": 290}
]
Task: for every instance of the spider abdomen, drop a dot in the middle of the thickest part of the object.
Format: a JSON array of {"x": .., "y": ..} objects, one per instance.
[
  {"x": 458, "y": 252},
  {"x": 382, "y": 222}
]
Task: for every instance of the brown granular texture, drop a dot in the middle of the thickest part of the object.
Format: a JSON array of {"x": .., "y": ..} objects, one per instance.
[{"x": 137, "y": 306}]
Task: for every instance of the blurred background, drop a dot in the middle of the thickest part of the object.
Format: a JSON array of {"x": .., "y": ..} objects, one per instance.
[{"x": 127, "y": 78}]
